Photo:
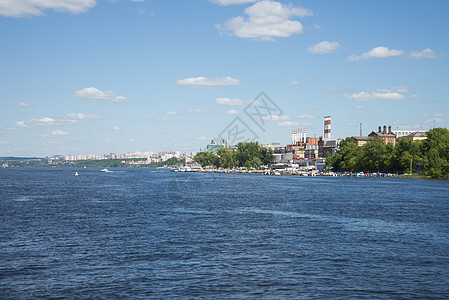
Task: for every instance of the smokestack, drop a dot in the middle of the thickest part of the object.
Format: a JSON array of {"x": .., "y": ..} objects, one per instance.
[
  {"x": 304, "y": 138},
  {"x": 327, "y": 127},
  {"x": 389, "y": 129},
  {"x": 380, "y": 129},
  {"x": 385, "y": 129}
]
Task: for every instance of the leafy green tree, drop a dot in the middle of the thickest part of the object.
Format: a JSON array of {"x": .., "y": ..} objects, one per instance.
[
  {"x": 406, "y": 155},
  {"x": 249, "y": 155},
  {"x": 227, "y": 157},
  {"x": 435, "y": 151},
  {"x": 347, "y": 158},
  {"x": 207, "y": 159},
  {"x": 375, "y": 156}
]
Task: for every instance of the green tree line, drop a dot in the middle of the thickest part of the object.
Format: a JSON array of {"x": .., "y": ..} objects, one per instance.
[
  {"x": 249, "y": 155},
  {"x": 431, "y": 155},
  {"x": 103, "y": 163}
]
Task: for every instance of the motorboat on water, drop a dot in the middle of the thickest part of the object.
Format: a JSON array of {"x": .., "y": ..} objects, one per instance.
[
  {"x": 76, "y": 174},
  {"x": 105, "y": 170}
]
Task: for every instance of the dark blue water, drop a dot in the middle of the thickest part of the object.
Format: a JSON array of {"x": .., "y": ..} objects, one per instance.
[{"x": 143, "y": 233}]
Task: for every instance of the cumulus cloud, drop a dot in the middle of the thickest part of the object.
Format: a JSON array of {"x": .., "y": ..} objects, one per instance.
[
  {"x": 378, "y": 52},
  {"x": 379, "y": 95},
  {"x": 81, "y": 116},
  {"x": 232, "y": 112},
  {"x": 70, "y": 118},
  {"x": 197, "y": 111},
  {"x": 36, "y": 122},
  {"x": 288, "y": 124},
  {"x": 266, "y": 20},
  {"x": 93, "y": 94},
  {"x": 171, "y": 113},
  {"x": 23, "y": 104},
  {"x": 230, "y": 102},
  {"x": 208, "y": 82},
  {"x": 275, "y": 118},
  {"x": 324, "y": 47},
  {"x": 231, "y": 2},
  {"x": 26, "y": 8},
  {"x": 426, "y": 53},
  {"x": 294, "y": 82},
  {"x": 59, "y": 132},
  {"x": 306, "y": 117}
]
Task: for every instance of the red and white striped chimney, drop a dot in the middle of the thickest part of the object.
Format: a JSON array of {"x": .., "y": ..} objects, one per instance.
[{"x": 327, "y": 127}]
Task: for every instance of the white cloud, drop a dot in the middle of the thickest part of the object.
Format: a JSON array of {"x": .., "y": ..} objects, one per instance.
[
  {"x": 23, "y": 104},
  {"x": 36, "y": 122},
  {"x": 275, "y": 118},
  {"x": 306, "y": 124},
  {"x": 377, "y": 95},
  {"x": 266, "y": 20},
  {"x": 4, "y": 143},
  {"x": 71, "y": 118},
  {"x": 25, "y": 8},
  {"x": 47, "y": 120},
  {"x": 288, "y": 124},
  {"x": 197, "y": 111},
  {"x": 171, "y": 113},
  {"x": 208, "y": 82},
  {"x": 231, "y": 2},
  {"x": 94, "y": 94},
  {"x": 307, "y": 117},
  {"x": 360, "y": 107},
  {"x": 294, "y": 82},
  {"x": 230, "y": 102},
  {"x": 232, "y": 112},
  {"x": 81, "y": 116},
  {"x": 378, "y": 52},
  {"x": 324, "y": 47},
  {"x": 400, "y": 89},
  {"x": 116, "y": 128},
  {"x": 59, "y": 132},
  {"x": 202, "y": 138},
  {"x": 426, "y": 53}
]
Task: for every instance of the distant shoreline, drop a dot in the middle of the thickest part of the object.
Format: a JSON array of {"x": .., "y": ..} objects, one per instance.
[{"x": 261, "y": 172}]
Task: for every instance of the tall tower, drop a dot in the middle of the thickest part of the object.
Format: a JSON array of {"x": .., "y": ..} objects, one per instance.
[
  {"x": 299, "y": 135},
  {"x": 327, "y": 127}
]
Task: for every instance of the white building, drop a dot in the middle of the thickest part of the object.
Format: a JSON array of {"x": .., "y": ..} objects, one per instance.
[{"x": 403, "y": 133}]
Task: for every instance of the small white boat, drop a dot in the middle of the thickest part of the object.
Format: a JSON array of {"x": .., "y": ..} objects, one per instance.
[
  {"x": 105, "y": 170},
  {"x": 76, "y": 174}
]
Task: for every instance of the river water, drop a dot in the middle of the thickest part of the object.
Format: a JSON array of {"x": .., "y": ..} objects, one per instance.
[{"x": 148, "y": 233}]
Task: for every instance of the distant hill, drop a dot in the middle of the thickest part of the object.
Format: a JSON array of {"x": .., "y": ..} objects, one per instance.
[{"x": 17, "y": 158}]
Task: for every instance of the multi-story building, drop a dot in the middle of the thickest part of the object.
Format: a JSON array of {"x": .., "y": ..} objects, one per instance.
[
  {"x": 387, "y": 137},
  {"x": 402, "y": 133},
  {"x": 217, "y": 143}
]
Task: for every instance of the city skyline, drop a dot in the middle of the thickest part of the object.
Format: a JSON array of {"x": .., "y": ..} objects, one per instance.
[{"x": 86, "y": 76}]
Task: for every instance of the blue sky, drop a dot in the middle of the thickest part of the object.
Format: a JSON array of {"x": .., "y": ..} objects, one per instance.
[{"x": 93, "y": 77}]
